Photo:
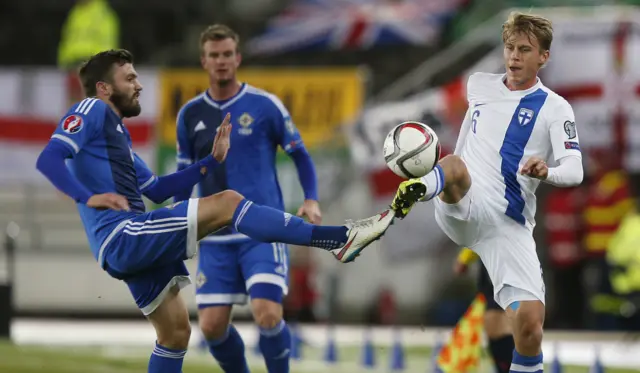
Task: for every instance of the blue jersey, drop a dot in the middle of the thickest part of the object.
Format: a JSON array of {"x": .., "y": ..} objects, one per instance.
[
  {"x": 261, "y": 124},
  {"x": 103, "y": 161}
]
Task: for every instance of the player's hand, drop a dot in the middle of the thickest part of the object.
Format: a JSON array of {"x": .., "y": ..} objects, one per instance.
[
  {"x": 536, "y": 168},
  {"x": 409, "y": 192},
  {"x": 460, "y": 268},
  {"x": 311, "y": 209},
  {"x": 108, "y": 201},
  {"x": 222, "y": 142}
]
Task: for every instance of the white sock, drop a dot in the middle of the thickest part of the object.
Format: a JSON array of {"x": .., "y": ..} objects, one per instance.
[{"x": 434, "y": 181}]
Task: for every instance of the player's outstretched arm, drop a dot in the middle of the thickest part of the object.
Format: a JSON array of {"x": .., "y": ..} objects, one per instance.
[
  {"x": 51, "y": 163},
  {"x": 160, "y": 189}
]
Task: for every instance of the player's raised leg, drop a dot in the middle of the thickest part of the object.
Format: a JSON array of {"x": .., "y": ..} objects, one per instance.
[
  {"x": 450, "y": 180},
  {"x": 266, "y": 224}
]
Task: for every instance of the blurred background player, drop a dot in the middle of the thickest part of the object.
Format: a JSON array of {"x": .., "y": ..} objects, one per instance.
[
  {"x": 231, "y": 265},
  {"x": 485, "y": 193},
  {"x": 147, "y": 249},
  {"x": 496, "y": 323}
]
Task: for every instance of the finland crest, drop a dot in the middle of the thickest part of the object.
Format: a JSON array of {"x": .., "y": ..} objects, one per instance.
[
  {"x": 245, "y": 121},
  {"x": 525, "y": 116}
]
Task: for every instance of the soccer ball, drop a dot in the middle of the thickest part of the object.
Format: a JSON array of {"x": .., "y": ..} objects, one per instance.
[{"x": 411, "y": 150}]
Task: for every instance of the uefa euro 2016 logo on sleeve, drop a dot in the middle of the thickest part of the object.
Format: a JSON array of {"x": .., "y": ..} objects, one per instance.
[{"x": 72, "y": 124}]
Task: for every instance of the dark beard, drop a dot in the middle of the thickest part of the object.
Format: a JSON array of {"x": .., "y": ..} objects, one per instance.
[
  {"x": 224, "y": 83},
  {"x": 126, "y": 105}
]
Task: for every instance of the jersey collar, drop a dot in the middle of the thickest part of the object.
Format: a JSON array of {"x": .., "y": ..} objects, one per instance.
[
  {"x": 519, "y": 93},
  {"x": 221, "y": 105}
]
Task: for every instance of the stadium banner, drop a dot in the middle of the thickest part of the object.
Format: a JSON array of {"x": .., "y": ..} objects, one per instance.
[
  {"x": 320, "y": 101},
  {"x": 32, "y": 102}
]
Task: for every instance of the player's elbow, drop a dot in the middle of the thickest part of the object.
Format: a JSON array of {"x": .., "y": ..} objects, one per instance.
[
  {"x": 154, "y": 196},
  {"x": 578, "y": 177},
  {"x": 41, "y": 162},
  {"x": 575, "y": 176},
  {"x": 156, "y": 199}
]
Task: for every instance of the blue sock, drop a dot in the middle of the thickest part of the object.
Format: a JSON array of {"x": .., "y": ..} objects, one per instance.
[
  {"x": 166, "y": 360},
  {"x": 229, "y": 352},
  {"x": 526, "y": 364},
  {"x": 270, "y": 225},
  {"x": 501, "y": 351},
  {"x": 275, "y": 345}
]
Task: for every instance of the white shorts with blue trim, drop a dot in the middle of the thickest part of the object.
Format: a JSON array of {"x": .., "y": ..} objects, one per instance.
[{"x": 507, "y": 249}]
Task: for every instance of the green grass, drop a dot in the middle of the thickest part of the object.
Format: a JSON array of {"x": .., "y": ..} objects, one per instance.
[{"x": 38, "y": 359}]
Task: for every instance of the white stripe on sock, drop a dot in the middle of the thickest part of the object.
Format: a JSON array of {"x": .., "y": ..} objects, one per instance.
[
  {"x": 242, "y": 213},
  {"x": 526, "y": 369},
  {"x": 171, "y": 355}
]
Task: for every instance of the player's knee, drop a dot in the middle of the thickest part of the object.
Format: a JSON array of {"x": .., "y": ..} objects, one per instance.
[
  {"x": 266, "y": 313},
  {"x": 217, "y": 211},
  {"x": 177, "y": 336},
  {"x": 231, "y": 198},
  {"x": 214, "y": 322},
  {"x": 221, "y": 205},
  {"x": 529, "y": 330},
  {"x": 455, "y": 170}
]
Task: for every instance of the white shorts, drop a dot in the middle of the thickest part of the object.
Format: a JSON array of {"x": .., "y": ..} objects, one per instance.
[{"x": 506, "y": 248}]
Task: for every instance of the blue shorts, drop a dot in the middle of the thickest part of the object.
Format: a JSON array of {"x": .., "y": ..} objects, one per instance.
[
  {"x": 148, "y": 252},
  {"x": 227, "y": 271}
]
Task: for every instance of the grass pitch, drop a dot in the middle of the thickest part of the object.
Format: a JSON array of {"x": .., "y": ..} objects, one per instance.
[{"x": 76, "y": 359}]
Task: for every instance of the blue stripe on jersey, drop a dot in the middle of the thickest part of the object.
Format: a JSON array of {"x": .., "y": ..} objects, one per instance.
[{"x": 512, "y": 150}]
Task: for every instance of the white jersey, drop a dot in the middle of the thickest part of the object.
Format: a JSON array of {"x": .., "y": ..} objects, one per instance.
[{"x": 502, "y": 130}]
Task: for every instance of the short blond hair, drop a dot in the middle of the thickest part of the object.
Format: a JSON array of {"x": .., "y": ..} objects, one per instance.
[
  {"x": 219, "y": 32},
  {"x": 531, "y": 25}
]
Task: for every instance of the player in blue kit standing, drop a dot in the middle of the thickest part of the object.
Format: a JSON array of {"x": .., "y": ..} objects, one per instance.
[
  {"x": 232, "y": 265},
  {"x": 145, "y": 249}
]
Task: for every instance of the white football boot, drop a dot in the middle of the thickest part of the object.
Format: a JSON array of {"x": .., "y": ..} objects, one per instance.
[{"x": 362, "y": 233}]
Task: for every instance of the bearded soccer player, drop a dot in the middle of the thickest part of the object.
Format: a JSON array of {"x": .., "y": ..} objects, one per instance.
[{"x": 147, "y": 249}]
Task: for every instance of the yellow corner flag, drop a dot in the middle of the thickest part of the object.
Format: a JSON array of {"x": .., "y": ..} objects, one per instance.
[{"x": 462, "y": 352}]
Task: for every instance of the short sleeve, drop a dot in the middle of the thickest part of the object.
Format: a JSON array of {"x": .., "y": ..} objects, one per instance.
[
  {"x": 146, "y": 177},
  {"x": 83, "y": 123},
  {"x": 184, "y": 153},
  {"x": 285, "y": 131},
  {"x": 563, "y": 132}
]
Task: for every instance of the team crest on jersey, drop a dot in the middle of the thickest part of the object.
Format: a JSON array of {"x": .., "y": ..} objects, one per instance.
[
  {"x": 72, "y": 124},
  {"x": 245, "y": 121},
  {"x": 201, "y": 279},
  {"x": 570, "y": 129},
  {"x": 525, "y": 116}
]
